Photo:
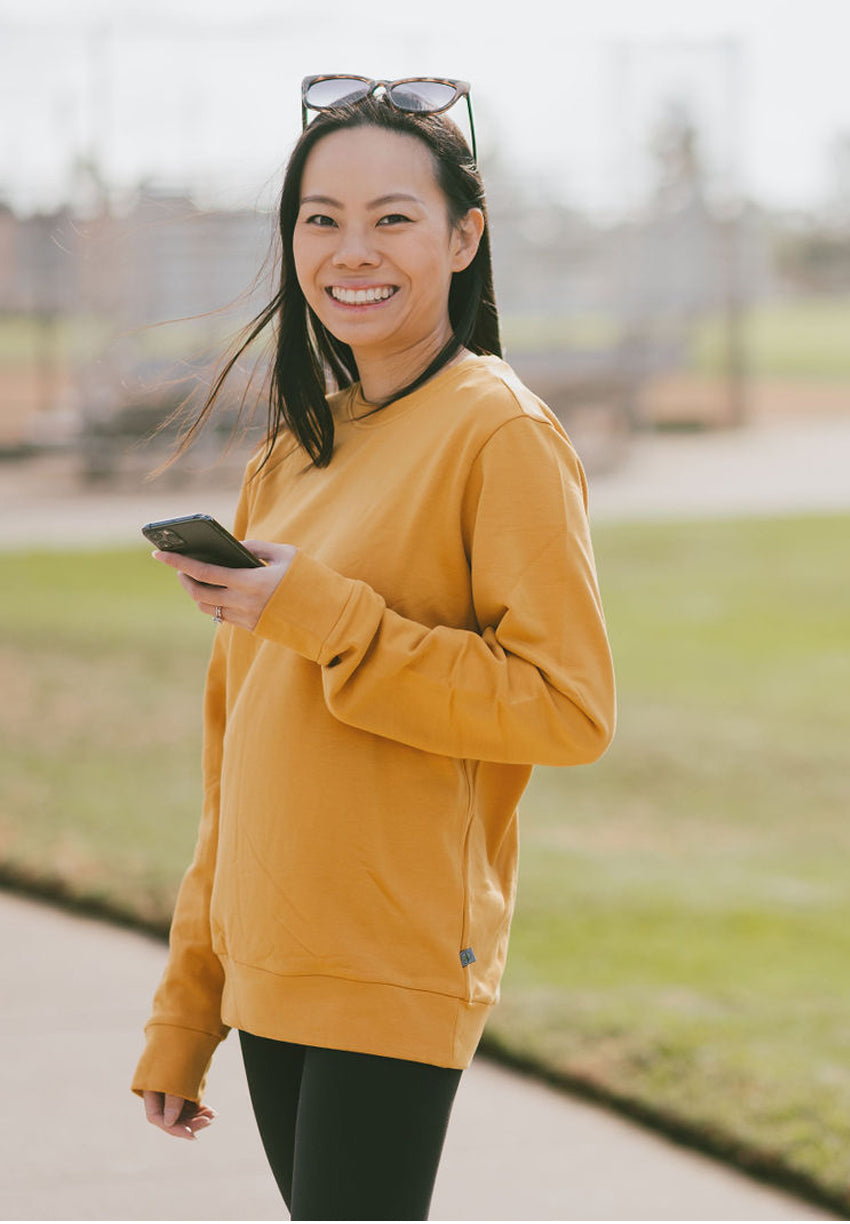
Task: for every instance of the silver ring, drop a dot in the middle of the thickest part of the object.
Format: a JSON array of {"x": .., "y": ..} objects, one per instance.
[{"x": 218, "y": 618}]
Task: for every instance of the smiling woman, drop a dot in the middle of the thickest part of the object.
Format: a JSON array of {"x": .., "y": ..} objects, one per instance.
[
  {"x": 377, "y": 277},
  {"x": 309, "y": 359},
  {"x": 427, "y": 626}
]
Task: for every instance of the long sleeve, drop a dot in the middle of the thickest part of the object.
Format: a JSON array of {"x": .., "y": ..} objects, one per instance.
[
  {"x": 533, "y": 682},
  {"x": 185, "y": 1026}
]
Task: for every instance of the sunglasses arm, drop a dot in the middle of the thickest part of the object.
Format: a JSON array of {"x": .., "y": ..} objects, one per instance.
[{"x": 471, "y": 129}]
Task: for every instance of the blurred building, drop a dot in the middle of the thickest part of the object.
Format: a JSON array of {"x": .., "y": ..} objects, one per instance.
[
  {"x": 161, "y": 258},
  {"x": 594, "y": 311}
]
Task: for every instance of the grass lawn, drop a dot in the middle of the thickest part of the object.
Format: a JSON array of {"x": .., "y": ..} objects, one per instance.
[
  {"x": 74, "y": 340},
  {"x": 798, "y": 339},
  {"x": 682, "y": 936},
  {"x": 805, "y": 338},
  {"x": 101, "y": 664}
]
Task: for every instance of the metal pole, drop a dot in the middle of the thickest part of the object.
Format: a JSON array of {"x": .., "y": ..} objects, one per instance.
[{"x": 731, "y": 226}]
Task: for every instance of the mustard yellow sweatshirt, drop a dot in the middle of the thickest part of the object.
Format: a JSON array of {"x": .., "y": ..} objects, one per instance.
[{"x": 438, "y": 631}]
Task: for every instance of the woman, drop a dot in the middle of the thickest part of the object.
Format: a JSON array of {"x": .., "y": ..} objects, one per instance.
[{"x": 427, "y": 626}]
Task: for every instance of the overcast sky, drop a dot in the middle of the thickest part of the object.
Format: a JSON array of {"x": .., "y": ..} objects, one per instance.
[{"x": 206, "y": 91}]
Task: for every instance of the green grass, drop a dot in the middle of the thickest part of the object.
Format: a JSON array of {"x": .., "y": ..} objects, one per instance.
[
  {"x": 23, "y": 339},
  {"x": 801, "y": 339},
  {"x": 80, "y": 339},
  {"x": 804, "y": 339},
  {"x": 682, "y": 935},
  {"x": 538, "y": 333},
  {"x": 101, "y": 667}
]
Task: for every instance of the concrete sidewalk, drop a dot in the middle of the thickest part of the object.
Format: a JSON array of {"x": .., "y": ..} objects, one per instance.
[
  {"x": 76, "y": 1146},
  {"x": 769, "y": 467}
]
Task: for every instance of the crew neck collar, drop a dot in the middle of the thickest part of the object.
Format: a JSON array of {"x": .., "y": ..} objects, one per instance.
[{"x": 357, "y": 411}]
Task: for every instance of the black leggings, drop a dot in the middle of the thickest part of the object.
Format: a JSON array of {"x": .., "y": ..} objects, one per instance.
[{"x": 349, "y": 1136}]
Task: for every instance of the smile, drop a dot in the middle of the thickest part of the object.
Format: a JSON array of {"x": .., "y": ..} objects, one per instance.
[{"x": 361, "y": 297}]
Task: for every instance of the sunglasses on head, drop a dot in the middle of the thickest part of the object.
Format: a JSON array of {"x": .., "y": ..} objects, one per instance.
[{"x": 420, "y": 95}]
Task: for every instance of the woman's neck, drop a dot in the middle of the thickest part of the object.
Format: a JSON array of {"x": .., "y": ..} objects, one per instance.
[{"x": 381, "y": 378}]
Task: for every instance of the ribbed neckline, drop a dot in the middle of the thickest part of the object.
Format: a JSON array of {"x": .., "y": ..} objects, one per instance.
[{"x": 353, "y": 404}]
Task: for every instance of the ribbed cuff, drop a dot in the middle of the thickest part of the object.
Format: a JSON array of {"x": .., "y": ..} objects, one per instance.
[
  {"x": 306, "y": 607},
  {"x": 175, "y": 1060}
]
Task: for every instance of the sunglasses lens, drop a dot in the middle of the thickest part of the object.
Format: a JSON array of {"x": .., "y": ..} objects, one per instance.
[
  {"x": 340, "y": 91},
  {"x": 422, "y": 95}
]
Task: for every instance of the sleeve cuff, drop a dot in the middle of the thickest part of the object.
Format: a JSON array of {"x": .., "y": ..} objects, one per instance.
[
  {"x": 175, "y": 1060},
  {"x": 306, "y": 607}
]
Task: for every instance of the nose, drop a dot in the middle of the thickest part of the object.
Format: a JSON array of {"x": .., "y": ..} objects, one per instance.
[{"x": 354, "y": 249}]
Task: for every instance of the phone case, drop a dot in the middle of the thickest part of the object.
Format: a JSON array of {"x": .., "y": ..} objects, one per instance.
[{"x": 201, "y": 537}]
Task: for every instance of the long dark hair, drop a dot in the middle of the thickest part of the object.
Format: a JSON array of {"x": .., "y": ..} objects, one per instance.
[{"x": 308, "y": 361}]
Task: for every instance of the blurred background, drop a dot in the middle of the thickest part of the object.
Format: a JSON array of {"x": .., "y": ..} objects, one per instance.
[{"x": 669, "y": 187}]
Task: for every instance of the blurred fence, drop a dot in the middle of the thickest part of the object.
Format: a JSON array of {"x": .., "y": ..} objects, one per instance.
[
  {"x": 637, "y": 319},
  {"x": 593, "y": 316}
]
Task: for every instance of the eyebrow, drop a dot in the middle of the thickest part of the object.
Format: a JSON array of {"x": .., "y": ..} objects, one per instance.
[{"x": 379, "y": 203}]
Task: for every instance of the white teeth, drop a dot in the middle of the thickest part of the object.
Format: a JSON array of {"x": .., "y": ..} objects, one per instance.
[{"x": 356, "y": 297}]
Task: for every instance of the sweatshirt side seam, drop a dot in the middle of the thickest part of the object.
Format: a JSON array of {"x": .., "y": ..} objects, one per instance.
[{"x": 466, "y": 916}]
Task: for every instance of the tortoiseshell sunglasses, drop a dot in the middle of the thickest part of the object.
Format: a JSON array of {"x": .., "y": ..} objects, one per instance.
[{"x": 422, "y": 95}]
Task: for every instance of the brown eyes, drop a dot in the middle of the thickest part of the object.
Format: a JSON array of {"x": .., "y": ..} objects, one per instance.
[{"x": 322, "y": 221}]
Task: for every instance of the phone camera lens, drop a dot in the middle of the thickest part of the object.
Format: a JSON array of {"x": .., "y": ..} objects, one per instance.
[{"x": 168, "y": 539}]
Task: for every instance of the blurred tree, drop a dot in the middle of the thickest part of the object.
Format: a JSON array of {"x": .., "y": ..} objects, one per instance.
[
  {"x": 816, "y": 259},
  {"x": 674, "y": 147},
  {"x": 838, "y": 179},
  {"x": 813, "y": 254}
]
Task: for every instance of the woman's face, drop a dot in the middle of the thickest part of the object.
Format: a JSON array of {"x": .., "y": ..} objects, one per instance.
[{"x": 373, "y": 246}]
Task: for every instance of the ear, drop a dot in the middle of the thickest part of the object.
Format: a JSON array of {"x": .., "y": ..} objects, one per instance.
[{"x": 465, "y": 239}]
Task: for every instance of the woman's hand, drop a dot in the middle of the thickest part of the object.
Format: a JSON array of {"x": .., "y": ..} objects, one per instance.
[
  {"x": 241, "y": 594},
  {"x": 175, "y": 1115}
]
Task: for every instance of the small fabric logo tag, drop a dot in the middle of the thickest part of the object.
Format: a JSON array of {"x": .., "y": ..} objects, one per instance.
[{"x": 467, "y": 956}]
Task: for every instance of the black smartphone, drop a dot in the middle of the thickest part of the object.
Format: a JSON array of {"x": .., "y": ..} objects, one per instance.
[{"x": 201, "y": 537}]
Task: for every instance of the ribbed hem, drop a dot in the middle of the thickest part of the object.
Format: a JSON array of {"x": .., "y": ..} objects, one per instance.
[
  {"x": 175, "y": 1060},
  {"x": 343, "y": 1014}
]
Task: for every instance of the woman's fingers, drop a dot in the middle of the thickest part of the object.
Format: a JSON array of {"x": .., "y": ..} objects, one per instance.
[
  {"x": 200, "y": 1122},
  {"x": 153, "y": 1107},
  {"x": 175, "y": 1115},
  {"x": 270, "y": 553},
  {"x": 201, "y": 571},
  {"x": 240, "y": 594},
  {"x": 173, "y": 1108},
  {"x": 164, "y": 1110},
  {"x": 201, "y": 592}
]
